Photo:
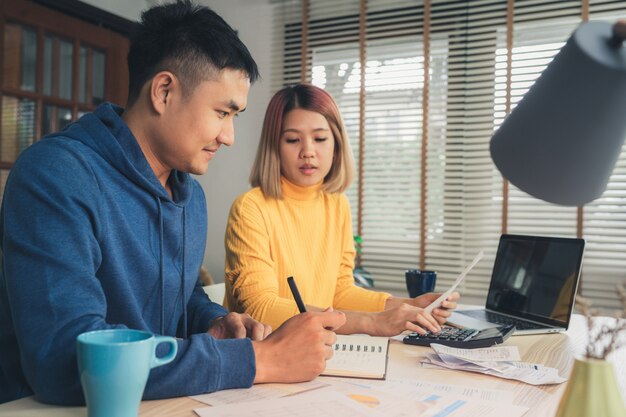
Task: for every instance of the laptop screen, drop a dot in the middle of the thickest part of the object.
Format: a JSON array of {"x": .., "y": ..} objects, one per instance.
[{"x": 535, "y": 277}]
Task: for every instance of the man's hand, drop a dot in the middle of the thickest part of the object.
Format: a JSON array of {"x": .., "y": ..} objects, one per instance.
[
  {"x": 298, "y": 350},
  {"x": 238, "y": 326}
]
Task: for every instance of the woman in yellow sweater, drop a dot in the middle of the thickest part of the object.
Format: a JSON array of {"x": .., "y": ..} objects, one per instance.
[{"x": 296, "y": 222}]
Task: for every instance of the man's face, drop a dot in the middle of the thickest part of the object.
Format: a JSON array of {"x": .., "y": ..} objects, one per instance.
[{"x": 192, "y": 128}]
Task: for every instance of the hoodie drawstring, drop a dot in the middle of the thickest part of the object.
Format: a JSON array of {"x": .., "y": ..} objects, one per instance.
[
  {"x": 161, "y": 266},
  {"x": 183, "y": 275}
]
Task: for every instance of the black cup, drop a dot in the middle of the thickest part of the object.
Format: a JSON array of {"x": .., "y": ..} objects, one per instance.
[{"x": 420, "y": 282}]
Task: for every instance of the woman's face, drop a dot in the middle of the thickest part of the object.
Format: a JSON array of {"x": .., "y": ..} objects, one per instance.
[{"x": 306, "y": 147}]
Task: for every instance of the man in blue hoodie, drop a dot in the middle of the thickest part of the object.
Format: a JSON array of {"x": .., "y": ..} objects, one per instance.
[{"x": 103, "y": 227}]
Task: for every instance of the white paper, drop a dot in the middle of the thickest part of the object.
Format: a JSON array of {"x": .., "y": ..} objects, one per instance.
[
  {"x": 363, "y": 400},
  {"x": 446, "y": 294},
  {"x": 529, "y": 373},
  {"x": 492, "y": 354},
  {"x": 257, "y": 392},
  {"x": 399, "y": 337},
  {"x": 447, "y": 406},
  {"x": 395, "y": 400},
  {"x": 452, "y": 361},
  {"x": 532, "y": 373},
  {"x": 315, "y": 403},
  {"x": 376, "y": 397},
  {"x": 474, "y": 393}
]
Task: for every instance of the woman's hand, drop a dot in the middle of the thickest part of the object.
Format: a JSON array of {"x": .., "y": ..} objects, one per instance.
[
  {"x": 443, "y": 311},
  {"x": 394, "y": 321},
  {"x": 440, "y": 313}
]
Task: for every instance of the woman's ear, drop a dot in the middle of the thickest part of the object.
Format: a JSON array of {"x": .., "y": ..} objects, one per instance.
[{"x": 161, "y": 88}]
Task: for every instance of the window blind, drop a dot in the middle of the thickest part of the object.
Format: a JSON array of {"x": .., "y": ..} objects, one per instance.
[
  {"x": 471, "y": 192},
  {"x": 604, "y": 220},
  {"x": 439, "y": 78}
]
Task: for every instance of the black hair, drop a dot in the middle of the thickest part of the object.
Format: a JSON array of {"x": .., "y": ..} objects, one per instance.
[{"x": 191, "y": 41}]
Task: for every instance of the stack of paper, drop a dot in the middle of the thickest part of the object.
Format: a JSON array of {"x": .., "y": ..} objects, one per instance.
[
  {"x": 258, "y": 392},
  {"x": 309, "y": 404},
  {"x": 360, "y": 399},
  {"x": 500, "y": 361}
]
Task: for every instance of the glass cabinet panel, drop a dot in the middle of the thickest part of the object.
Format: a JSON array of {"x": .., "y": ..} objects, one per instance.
[
  {"x": 4, "y": 174},
  {"x": 18, "y": 127},
  {"x": 29, "y": 59},
  {"x": 20, "y": 57},
  {"x": 47, "y": 64},
  {"x": 65, "y": 69},
  {"x": 58, "y": 65},
  {"x": 92, "y": 64},
  {"x": 82, "y": 75},
  {"x": 98, "y": 77},
  {"x": 54, "y": 118}
]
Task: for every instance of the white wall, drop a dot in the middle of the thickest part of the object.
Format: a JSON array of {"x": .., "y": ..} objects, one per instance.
[
  {"x": 128, "y": 9},
  {"x": 228, "y": 172}
]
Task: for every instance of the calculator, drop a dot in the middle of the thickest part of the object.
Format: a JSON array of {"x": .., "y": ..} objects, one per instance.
[{"x": 462, "y": 338}]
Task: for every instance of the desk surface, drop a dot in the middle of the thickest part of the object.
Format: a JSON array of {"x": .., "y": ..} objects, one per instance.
[{"x": 555, "y": 350}]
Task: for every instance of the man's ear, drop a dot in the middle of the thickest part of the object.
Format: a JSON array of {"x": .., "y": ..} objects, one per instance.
[{"x": 161, "y": 88}]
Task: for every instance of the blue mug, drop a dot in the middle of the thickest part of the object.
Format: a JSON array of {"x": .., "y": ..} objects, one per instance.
[
  {"x": 114, "y": 365},
  {"x": 420, "y": 282}
]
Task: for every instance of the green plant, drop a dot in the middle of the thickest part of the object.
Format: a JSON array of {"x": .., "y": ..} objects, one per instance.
[
  {"x": 358, "y": 245},
  {"x": 362, "y": 278}
]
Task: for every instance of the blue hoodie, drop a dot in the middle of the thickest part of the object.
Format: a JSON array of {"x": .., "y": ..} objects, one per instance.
[{"x": 91, "y": 240}]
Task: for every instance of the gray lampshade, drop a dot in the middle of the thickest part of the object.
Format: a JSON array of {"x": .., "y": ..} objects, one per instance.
[{"x": 561, "y": 142}]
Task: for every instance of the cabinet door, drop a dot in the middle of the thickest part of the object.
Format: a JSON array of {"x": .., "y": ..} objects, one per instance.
[{"x": 55, "y": 68}]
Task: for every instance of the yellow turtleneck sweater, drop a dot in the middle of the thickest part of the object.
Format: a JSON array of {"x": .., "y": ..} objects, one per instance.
[{"x": 308, "y": 235}]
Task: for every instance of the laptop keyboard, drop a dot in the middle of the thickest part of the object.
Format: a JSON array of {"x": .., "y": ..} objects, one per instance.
[{"x": 503, "y": 320}]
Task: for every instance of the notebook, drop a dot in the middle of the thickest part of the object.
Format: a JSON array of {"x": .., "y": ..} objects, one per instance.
[
  {"x": 358, "y": 356},
  {"x": 533, "y": 285}
]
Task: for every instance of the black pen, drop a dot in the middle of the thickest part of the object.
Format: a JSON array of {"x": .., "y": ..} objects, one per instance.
[{"x": 296, "y": 294}]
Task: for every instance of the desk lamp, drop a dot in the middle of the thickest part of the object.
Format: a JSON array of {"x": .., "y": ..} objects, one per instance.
[{"x": 562, "y": 141}]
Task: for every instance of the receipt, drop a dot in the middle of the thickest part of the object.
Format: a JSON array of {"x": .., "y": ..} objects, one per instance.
[
  {"x": 499, "y": 361},
  {"x": 493, "y": 354},
  {"x": 442, "y": 297}
]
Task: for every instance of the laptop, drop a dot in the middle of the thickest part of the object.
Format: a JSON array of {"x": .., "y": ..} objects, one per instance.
[{"x": 533, "y": 285}]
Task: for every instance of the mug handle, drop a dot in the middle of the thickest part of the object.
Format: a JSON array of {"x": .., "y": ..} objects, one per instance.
[{"x": 167, "y": 358}]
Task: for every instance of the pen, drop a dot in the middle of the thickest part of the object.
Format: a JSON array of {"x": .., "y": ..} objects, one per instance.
[{"x": 296, "y": 294}]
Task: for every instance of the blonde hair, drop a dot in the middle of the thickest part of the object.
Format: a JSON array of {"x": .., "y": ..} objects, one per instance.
[{"x": 266, "y": 168}]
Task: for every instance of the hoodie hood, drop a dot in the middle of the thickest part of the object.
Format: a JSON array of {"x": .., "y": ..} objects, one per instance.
[{"x": 105, "y": 132}]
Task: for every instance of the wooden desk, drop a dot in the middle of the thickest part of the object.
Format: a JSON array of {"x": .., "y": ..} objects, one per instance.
[{"x": 555, "y": 350}]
